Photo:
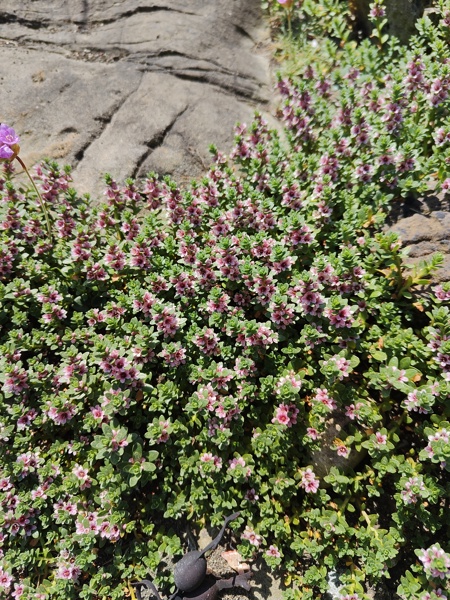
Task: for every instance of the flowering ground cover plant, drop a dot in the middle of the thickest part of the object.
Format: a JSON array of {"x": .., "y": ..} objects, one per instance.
[{"x": 170, "y": 355}]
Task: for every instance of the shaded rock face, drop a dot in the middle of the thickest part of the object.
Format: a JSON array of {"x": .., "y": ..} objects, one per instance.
[
  {"x": 401, "y": 15},
  {"x": 423, "y": 225},
  {"x": 129, "y": 86}
]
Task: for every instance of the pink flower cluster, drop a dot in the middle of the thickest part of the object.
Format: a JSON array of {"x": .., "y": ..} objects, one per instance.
[
  {"x": 340, "y": 318},
  {"x": 29, "y": 462},
  {"x": 119, "y": 367},
  {"x": 263, "y": 336},
  {"x": 420, "y": 400},
  {"x": 436, "y": 562},
  {"x": 5, "y": 579},
  {"x": 309, "y": 481},
  {"x": 82, "y": 474},
  {"x": 173, "y": 354},
  {"x": 441, "y": 357},
  {"x": 16, "y": 381},
  {"x": 322, "y": 396},
  {"x": 286, "y": 414},
  {"x": 91, "y": 523},
  {"x": 290, "y": 382},
  {"x": 341, "y": 365},
  {"x": 239, "y": 462},
  {"x": 442, "y": 435},
  {"x": 207, "y": 341},
  {"x": 412, "y": 490},
  {"x": 14, "y": 522},
  {"x": 208, "y": 457},
  {"x": 62, "y": 415}
]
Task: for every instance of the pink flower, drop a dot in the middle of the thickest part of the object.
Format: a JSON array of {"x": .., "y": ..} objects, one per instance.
[
  {"x": 312, "y": 433},
  {"x": 380, "y": 439},
  {"x": 413, "y": 486},
  {"x": 377, "y": 11},
  {"x": 83, "y": 476},
  {"x": 5, "y": 579},
  {"x": 237, "y": 461},
  {"x": 273, "y": 551},
  {"x": 286, "y": 414},
  {"x": 68, "y": 572},
  {"x": 9, "y": 143},
  {"x": 323, "y": 397},
  {"x": 286, "y": 3},
  {"x": 207, "y": 457},
  {"x": 342, "y": 450},
  {"x": 18, "y": 590},
  {"x": 309, "y": 481},
  {"x": 340, "y": 318},
  {"x": 352, "y": 411},
  {"x": 436, "y": 562},
  {"x": 252, "y": 537},
  {"x": 251, "y": 495},
  {"x": 98, "y": 413}
]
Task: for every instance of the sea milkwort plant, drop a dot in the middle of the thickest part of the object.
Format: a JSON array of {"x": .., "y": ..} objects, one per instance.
[{"x": 252, "y": 344}]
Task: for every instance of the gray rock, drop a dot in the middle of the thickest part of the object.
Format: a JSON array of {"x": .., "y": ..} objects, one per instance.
[
  {"x": 423, "y": 225},
  {"x": 419, "y": 228},
  {"x": 130, "y": 86}
]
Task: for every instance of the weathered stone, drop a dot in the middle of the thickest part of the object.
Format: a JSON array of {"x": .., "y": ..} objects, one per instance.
[
  {"x": 419, "y": 228},
  {"x": 130, "y": 86},
  {"x": 423, "y": 225},
  {"x": 401, "y": 15},
  {"x": 326, "y": 457}
]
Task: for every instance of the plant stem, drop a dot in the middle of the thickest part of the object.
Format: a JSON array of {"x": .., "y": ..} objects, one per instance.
[
  {"x": 40, "y": 199},
  {"x": 369, "y": 524}
]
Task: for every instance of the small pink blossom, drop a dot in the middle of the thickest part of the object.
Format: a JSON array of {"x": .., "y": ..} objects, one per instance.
[
  {"x": 5, "y": 579},
  {"x": 312, "y": 433},
  {"x": 273, "y": 551},
  {"x": 380, "y": 439},
  {"x": 19, "y": 589},
  {"x": 309, "y": 481},
  {"x": 236, "y": 461},
  {"x": 286, "y": 414},
  {"x": 322, "y": 396},
  {"x": 342, "y": 450},
  {"x": 251, "y": 495},
  {"x": 9, "y": 143},
  {"x": 252, "y": 537}
]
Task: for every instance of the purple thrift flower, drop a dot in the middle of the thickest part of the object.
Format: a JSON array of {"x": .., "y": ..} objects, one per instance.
[{"x": 9, "y": 142}]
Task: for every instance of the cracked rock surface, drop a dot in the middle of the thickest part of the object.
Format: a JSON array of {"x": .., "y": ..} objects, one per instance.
[
  {"x": 423, "y": 225},
  {"x": 130, "y": 86}
]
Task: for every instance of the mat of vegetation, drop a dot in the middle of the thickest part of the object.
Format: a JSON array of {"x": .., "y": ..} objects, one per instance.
[{"x": 178, "y": 355}]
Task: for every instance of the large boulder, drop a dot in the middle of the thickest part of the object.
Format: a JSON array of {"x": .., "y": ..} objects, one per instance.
[{"x": 133, "y": 85}]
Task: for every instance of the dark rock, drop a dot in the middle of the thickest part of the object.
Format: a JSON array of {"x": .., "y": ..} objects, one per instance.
[{"x": 401, "y": 15}]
